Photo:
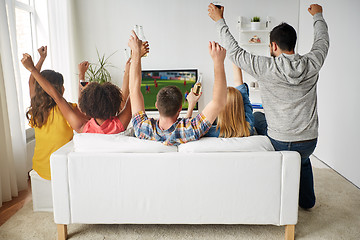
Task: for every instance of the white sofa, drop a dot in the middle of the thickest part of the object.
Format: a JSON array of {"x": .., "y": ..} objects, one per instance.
[{"x": 116, "y": 179}]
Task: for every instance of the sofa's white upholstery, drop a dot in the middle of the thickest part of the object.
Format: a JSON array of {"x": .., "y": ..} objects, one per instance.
[
  {"x": 92, "y": 142},
  {"x": 211, "y": 144},
  {"x": 185, "y": 187},
  {"x": 41, "y": 193}
]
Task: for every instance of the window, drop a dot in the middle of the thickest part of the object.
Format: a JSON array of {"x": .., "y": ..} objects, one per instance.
[
  {"x": 30, "y": 22},
  {"x": 24, "y": 45}
]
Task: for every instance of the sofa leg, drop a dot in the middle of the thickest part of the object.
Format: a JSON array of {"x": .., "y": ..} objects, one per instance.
[
  {"x": 289, "y": 232},
  {"x": 62, "y": 231}
]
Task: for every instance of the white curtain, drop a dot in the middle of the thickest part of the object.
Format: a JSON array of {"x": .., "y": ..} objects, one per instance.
[
  {"x": 61, "y": 44},
  {"x": 13, "y": 175}
]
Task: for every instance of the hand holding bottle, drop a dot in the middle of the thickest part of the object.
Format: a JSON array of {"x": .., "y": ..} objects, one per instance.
[
  {"x": 135, "y": 44},
  {"x": 144, "y": 48}
]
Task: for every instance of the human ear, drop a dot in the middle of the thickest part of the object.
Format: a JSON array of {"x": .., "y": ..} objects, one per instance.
[{"x": 273, "y": 46}]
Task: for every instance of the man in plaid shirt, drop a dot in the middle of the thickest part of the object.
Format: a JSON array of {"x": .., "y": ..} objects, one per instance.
[{"x": 169, "y": 129}]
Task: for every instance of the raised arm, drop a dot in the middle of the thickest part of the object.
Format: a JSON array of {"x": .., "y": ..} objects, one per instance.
[
  {"x": 321, "y": 43},
  {"x": 136, "y": 97},
  {"x": 82, "y": 67},
  {"x": 243, "y": 88},
  {"x": 238, "y": 79},
  {"x": 125, "y": 107},
  {"x": 217, "y": 104},
  {"x": 75, "y": 120},
  {"x": 125, "y": 85},
  {"x": 249, "y": 63},
  {"x": 192, "y": 100},
  {"x": 43, "y": 53}
]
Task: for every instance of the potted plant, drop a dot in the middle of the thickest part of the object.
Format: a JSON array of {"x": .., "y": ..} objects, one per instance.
[
  {"x": 98, "y": 72},
  {"x": 255, "y": 23}
]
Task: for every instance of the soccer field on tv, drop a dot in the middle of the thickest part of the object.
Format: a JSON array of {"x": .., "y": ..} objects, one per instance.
[{"x": 150, "y": 96}]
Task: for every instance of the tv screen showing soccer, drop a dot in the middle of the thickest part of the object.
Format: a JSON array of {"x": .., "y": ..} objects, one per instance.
[{"x": 154, "y": 80}]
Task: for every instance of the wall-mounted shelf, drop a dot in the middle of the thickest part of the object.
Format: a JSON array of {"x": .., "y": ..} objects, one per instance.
[
  {"x": 258, "y": 48},
  {"x": 246, "y": 33}
]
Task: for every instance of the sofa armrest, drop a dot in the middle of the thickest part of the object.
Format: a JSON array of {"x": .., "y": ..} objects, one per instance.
[
  {"x": 290, "y": 180},
  {"x": 60, "y": 185}
]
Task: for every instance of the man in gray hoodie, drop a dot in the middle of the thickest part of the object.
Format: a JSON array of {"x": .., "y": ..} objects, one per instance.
[{"x": 288, "y": 89}]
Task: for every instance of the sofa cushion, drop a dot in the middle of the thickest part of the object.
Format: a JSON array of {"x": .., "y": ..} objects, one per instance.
[
  {"x": 211, "y": 144},
  {"x": 110, "y": 143}
]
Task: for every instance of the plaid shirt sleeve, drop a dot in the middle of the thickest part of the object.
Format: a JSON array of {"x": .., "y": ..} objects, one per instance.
[
  {"x": 200, "y": 125},
  {"x": 192, "y": 128},
  {"x": 143, "y": 127}
]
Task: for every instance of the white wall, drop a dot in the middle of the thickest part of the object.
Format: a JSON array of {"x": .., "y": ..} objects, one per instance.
[
  {"x": 178, "y": 31},
  {"x": 338, "y": 87}
]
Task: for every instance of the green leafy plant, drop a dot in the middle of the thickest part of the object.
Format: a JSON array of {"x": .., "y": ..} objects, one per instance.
[
  {"x": 255, "y": 19},
  {"x": 98, "y": 72}
]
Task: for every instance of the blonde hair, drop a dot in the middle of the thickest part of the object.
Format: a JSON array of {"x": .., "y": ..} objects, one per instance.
[{"x": 231, "y": 120}]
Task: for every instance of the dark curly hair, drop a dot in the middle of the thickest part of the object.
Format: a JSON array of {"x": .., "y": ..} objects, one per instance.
[
  {"x": 100, "y": 101},
  {"x": 41, "y": 102},
  {"x": 169, "y": 100}
]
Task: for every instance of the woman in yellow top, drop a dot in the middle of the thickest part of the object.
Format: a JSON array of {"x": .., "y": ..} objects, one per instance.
[{"x": 51, "y": 129}]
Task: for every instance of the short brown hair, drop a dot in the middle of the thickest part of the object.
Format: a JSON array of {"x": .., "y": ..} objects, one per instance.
[
  {"x": 100, "y": 101},
  {"x": 169, "y": 100}
]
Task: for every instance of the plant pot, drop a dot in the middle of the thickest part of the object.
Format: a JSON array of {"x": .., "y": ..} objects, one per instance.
[{"x": 255, "y": 25}]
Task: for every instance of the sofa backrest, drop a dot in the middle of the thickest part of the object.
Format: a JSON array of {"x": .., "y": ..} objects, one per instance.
[
  {"x": 245, "y": 144},
  {"x": 91, "y": 142}
]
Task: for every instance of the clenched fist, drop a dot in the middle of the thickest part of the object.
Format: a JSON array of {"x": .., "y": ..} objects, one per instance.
[
  {"x": 43, "y": 52},
  {"x": 215, "y": 13},
  {"x": 83, "y": 67},
  {"x": 314, "y": 9},
  {"x": 27, "y": 62}
]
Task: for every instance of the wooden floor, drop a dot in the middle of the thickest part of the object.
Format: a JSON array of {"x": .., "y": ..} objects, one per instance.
[{"x": 8, "y": 209}]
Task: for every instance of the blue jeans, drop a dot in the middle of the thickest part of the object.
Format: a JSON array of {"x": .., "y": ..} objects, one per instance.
[{"x": 305, "y": 149}]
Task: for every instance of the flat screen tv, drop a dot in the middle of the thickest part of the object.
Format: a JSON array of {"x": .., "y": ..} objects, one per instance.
[{"x": 154, "y": 80}]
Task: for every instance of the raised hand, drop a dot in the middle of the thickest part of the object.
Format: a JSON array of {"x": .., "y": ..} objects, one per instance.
[
  {"x": 27, "y": 62},
  {"x": 314, "y": 9},
  {"x": 192, "y": 98},
  {"x": 43, "y": 52},
  {"x": 135, "y": 44},
  {"x": 217, "y": 52},
  {"x": 144, "y": 48},
  {"x": 83, "y": 67},
  {"x": 215, "y": 13}
]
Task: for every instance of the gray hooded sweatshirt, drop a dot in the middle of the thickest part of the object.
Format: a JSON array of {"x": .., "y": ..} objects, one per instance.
[{"x": 287, "y": 83}]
